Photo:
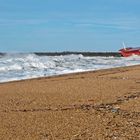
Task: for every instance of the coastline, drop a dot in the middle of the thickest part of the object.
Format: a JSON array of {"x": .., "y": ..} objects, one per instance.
[
  {"x": 70, "y": 74},
  {"x": 101, "y": 104}
]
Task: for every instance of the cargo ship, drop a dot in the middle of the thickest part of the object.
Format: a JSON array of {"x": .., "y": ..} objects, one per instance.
[{"x": 129, "y": 51}]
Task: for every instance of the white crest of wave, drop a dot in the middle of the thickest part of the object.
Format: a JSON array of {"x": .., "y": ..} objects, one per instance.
[{"x": 23, "y": 66}]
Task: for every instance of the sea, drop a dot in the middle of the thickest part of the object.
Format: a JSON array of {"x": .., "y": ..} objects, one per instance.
[{"x": 18, "y": 66}]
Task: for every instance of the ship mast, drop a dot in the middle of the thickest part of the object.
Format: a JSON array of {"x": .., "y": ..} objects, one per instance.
[{"x": 124, "y": 46}]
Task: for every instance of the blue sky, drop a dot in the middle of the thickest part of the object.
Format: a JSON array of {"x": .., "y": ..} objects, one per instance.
[{"x": 68, "y": 25}]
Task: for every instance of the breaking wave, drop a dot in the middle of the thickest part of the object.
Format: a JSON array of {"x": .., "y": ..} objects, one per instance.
[{"x": 24, "y": 66}]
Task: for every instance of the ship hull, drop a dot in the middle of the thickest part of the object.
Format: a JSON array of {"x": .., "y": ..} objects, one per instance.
[{"x": 129, "y": 52}]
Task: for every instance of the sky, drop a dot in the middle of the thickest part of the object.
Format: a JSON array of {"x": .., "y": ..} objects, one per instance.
[{"x": 68, "y": 25}]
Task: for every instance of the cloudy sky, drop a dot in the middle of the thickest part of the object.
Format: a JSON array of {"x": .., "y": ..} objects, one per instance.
[{"x": 68, "y": 25}]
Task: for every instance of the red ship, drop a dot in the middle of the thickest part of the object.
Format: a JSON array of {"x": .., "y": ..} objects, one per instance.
[{"x": 129, "y": 51}]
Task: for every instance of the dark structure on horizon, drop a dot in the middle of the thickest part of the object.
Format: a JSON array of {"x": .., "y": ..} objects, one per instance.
[{"x": 104, "y": 54}]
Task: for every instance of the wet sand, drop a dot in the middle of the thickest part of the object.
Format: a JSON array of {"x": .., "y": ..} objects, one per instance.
[{"x": 98, "y": 105}]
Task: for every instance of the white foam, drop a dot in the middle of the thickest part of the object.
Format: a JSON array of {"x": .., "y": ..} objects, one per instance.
[{"x": 24, "y": 66}]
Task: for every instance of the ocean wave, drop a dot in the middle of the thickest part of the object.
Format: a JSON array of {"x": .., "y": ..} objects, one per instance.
[{"x": 19, "y": 66}]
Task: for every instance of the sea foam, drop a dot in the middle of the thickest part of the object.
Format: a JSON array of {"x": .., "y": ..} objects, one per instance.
[{"x": 24, "y": 66}]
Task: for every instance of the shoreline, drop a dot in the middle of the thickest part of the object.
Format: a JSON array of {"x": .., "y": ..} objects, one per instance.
[
  {"x": 102, "y": 104},
  {"x": 69, "y": 74}
]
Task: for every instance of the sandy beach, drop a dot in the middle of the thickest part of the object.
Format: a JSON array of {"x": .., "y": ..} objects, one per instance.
[{"x": 97, "y": 105}]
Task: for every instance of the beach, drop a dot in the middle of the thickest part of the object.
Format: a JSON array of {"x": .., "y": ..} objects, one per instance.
[{"x": 94, "y": 105}]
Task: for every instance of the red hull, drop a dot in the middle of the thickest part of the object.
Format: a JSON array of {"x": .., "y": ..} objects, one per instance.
[{"x": 126, "y": 52}]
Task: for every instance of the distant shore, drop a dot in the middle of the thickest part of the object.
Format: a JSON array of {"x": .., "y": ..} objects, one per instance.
[
  {"x": 101, "y": 105},
  {"x": 104, "y": 54}
]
